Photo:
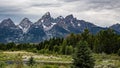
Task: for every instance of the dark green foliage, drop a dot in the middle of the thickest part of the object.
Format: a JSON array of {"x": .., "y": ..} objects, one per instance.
[
  {"x": 31, "y": 61},
  {"x": 85, "y": 35},
  {"x": 73, "y": 39},
  {"x": 56, "y": 49},
  {"x": 106, "y": 41},
  {"x": 2, "y": 64},
  {"x": 69, "y": 50},
  {"x": 118, "y": 52},
  {"x": 63, "y": 47},
  {"x": 88, "y": 37},
  {"x": 10, "y": 46},
  {"x": 83, "y": 56}
]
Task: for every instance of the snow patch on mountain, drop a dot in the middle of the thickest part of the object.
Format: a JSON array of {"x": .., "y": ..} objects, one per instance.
[
  {"x": 72, "y": 24},
  {"x": 46, "y": 28},
  {"x": 36, "y": 27},
  {"x": 24, "y": 29},
  {"x": 61, "y": 17},
  {"x": 25, "y": 25},
  {"x": 79, "y": 24},
  {"x": 48, "y": 13},
  {"x": 42, "y": 20}
]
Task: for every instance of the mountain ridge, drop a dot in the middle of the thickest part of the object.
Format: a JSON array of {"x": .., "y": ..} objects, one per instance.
[{"x": 45, "y": 28}]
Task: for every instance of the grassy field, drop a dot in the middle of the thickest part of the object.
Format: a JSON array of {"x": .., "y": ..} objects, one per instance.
[
  {"x": 58, "y": 61},
  {"x": 43, "y": 61},
  {"x": 26, "y": 55}
]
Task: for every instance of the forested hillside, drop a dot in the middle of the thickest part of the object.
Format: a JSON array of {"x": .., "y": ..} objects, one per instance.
[{"x": 105, "y": 41}]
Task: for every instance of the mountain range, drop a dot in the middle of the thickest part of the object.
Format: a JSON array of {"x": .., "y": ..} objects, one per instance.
[{"x": 45, "y": 28}]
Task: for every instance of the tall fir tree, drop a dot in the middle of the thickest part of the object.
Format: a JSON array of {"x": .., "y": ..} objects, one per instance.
[
  {"x": 63, "y": 47},
  {"x": 83, "y": 56},
  {"x": 31, "y": 61}
]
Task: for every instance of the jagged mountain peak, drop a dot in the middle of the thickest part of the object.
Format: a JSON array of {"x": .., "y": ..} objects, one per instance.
[
  {"x": 45, "y": 28},
  {"x": 7, "y": 23},
  {"x": 117, "y": 24},
  {"x": 8, "y": 19},
  {"x": 45, "y": 21},
  {"x": 116, "y": 27},
  {"x": 60, "y": 17},
  {"x": 25, "y": 24},
  {"x": 69, "y": 16},
  {"x": 46, "y": 18},
  {"x": 70, "y": 19},
  {"x": 25, "y": 21},
  {"x": 46, "y": 15}
]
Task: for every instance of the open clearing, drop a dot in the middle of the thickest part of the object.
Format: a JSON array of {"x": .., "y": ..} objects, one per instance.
[
  {"x": 38, "y": 57},
  {"x": 101, "y": 60}
]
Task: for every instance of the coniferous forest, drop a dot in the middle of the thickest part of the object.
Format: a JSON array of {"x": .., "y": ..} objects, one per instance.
[
  {"x": 84, "y": 50},
  {"x": 105, "y": 41}
]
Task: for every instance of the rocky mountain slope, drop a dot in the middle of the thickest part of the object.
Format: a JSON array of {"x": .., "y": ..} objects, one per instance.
[{"x": 46, "y": 27}]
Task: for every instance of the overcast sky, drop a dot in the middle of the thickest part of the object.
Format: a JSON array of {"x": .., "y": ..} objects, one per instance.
[{"x": 99, "y": 12}]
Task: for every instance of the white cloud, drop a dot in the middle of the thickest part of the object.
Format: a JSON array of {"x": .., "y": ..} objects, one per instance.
[{"x": 100, "y": 12}]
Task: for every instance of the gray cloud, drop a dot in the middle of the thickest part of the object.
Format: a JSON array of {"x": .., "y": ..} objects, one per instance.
[
  {"x": 69, "y": 0},
  {"x": 98, "y": 5},
  {"x": 103, "y": 4},
  {"x": 100, "y": 12},
  {"x": 46, "y": 5},
  {"x": 7, "y": 10}
]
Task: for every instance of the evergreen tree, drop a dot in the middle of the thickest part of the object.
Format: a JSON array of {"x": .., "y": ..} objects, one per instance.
[
  {"x": 71, "y": 39},
  {"x": 118, "y": 52},
  {"x": 88, "y": 37},
  {"x": 31, "y": 61},
  {"x": 10, "y": 46},
  {"x": 107, "y": 41},
  {"x": 69, "y": 50},
  {"x": 63, "y": 47},
  {"x": 83, "y": 56},
  {"x": 85, "y": 35},
  {"x": 56, "y": 49}
]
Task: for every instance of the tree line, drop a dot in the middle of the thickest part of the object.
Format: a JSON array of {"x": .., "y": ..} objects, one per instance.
[{"x": 106, "y": 41}]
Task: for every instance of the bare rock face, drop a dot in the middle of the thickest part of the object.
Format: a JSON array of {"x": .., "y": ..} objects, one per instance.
[
  {"x": 25, "y": 24},
  {"x": 45, "y": 28}
]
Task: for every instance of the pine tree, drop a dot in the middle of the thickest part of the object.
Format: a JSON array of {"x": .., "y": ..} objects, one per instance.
[
  {"x": 63, "y": 47},
  {"x": 118, "y": 52},
  {"x": 83, "y": 56},
  {"x": 107, "y": 41},
  {"x": 31, "y": 61}
]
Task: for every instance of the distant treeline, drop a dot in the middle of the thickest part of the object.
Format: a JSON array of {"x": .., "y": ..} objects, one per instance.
[{"x": 106, "y": 41}]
